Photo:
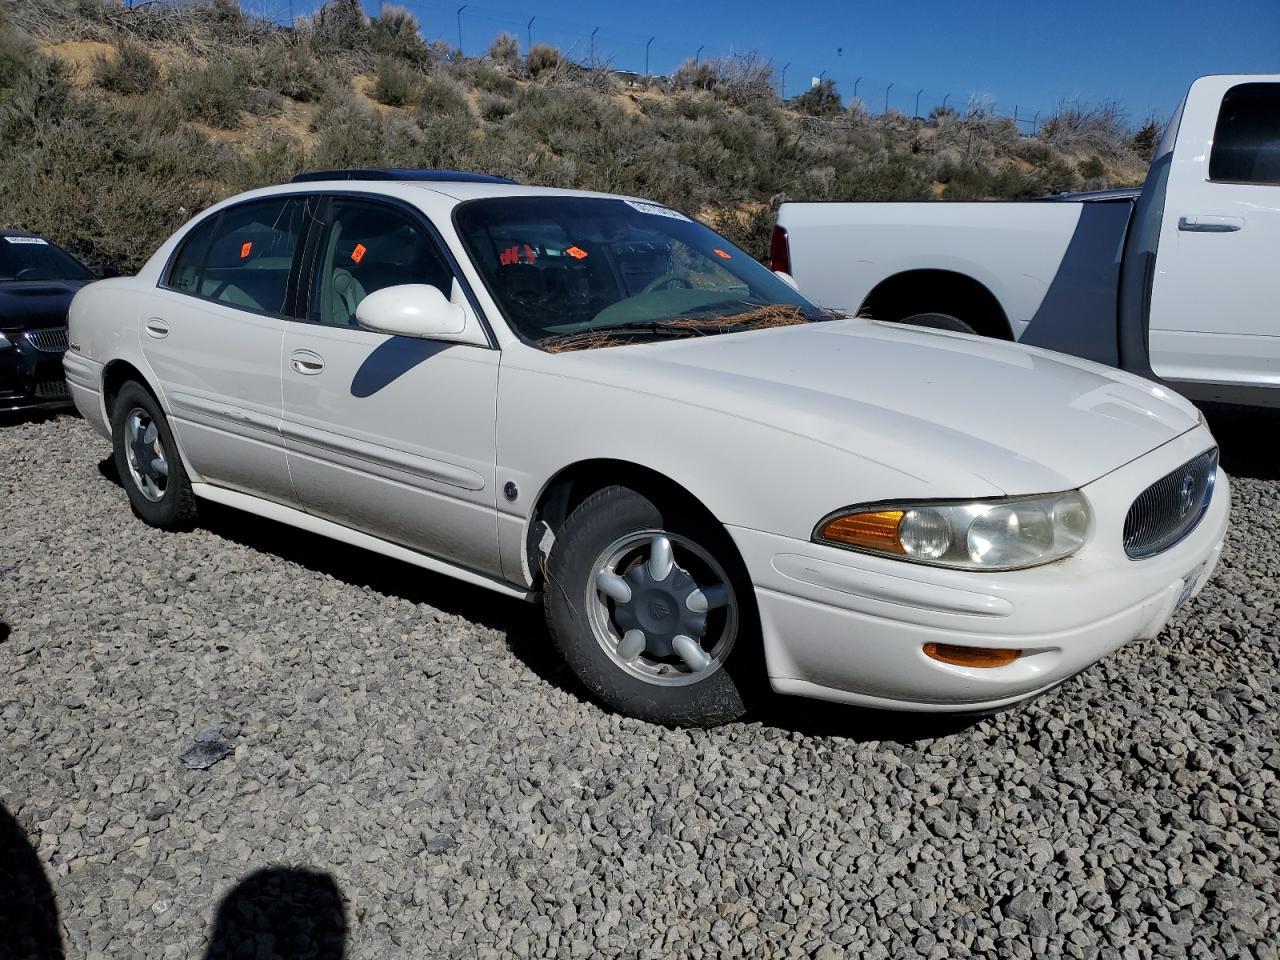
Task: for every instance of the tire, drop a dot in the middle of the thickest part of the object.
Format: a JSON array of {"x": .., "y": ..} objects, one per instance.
[
  {"x": 939, "y": 321},
  {"x": 595, "y": 633},
  {"x": 162, "y": 499}
]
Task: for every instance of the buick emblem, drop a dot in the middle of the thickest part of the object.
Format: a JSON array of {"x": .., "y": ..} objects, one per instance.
[
  {"x": 658, "y": 610},
  {"x": 1186, "y": 495}
]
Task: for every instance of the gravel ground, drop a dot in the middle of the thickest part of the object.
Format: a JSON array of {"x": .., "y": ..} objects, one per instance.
[{"x": 414, "y": 775}]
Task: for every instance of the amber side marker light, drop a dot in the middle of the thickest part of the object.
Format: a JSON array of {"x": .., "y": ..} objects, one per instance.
[
  {"x": 875, "y": 531},
  {"x": 971, "y": 656}
]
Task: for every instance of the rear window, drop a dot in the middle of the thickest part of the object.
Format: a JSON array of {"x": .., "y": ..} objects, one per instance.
[
  {"x": 34, "y": 258},
  {"x": 1246, "y": 142}
]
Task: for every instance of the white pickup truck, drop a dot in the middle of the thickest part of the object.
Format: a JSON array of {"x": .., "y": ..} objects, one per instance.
[{"x": 1178, "y": 282}]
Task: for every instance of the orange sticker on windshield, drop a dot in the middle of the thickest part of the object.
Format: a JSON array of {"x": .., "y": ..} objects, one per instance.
[
  {"x": 245, "y": 250},
  {"x": 721, "y": 254},
  {"x": 358, "y": 253},
  {"x": 577, "y": 253}
]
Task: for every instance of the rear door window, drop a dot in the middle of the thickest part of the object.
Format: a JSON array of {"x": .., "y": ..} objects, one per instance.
[
  {"x": 243, "y": 257},
  {"x": 1246, "y": 143}
]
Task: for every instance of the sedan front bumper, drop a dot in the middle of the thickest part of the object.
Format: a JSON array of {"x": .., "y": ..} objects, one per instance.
[
  {"x": 851, "y": 627},
  {"x": 31, "y": 370}
]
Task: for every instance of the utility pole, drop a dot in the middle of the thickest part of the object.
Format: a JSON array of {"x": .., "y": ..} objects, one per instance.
[
  {"x": 460, "y": 9},
  {"x": 782, "y": 87},
  {"x": 646, "y": 55},
  {"x": 592, "y": 56},
  {"x": 944, "y": 101},
  {"x": 855, "y": 88},
  {"x": 918, "y": 92},
  {"x": 697, "y": 57},
  {"x": 528, "y": 34},
  {"x": 886, "y": 97}
]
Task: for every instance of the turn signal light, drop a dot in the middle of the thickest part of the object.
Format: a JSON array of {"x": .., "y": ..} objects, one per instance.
[
  {"x": 874, "y": 531},
  {"x": 971, "y": 656}
]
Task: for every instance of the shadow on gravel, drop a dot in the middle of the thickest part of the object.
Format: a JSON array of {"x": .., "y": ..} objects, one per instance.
[
  {"x": 1244, "y": 436},
  {"x": 283, "y": 914},
  {"x": 28, "y": 910},
  {"x": 820, "y": 718}
]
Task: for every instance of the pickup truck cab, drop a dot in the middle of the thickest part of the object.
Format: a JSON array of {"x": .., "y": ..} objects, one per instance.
[{"x": 1175, "y": 282}]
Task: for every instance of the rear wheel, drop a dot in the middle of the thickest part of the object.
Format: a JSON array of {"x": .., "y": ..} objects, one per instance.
[
  {"x": 938, "y": 321},
  {"x": 653, "y": 611},
  {"x": 147, "y": 461}
]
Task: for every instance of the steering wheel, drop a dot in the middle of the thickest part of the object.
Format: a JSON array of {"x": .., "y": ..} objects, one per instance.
[{"x": 666, "y": 282}]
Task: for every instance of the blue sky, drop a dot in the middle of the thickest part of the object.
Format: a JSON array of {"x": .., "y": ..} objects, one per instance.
[{"x": 1030, "y": 54}]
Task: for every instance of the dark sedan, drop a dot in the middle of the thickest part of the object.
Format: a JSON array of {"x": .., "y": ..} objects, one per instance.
[{"x": 37, "y": 281}]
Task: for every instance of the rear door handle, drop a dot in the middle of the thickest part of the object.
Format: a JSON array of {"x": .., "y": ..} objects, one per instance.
[
  {"x": 157, "y": 328},
  {"x": 1204, "y": 223},
  {"x": 306, "y": 362}
]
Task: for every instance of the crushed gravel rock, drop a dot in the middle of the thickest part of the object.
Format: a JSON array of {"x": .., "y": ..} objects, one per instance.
[{"x": 409, "y": 771}]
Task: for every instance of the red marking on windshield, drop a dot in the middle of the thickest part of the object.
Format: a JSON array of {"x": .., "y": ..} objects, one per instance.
[
  {"x": 721, "y": 254},
  {"x": 245, "y": 250},
  {"x": 358, "y": 253},
  {"x": 577, "y": 253}
]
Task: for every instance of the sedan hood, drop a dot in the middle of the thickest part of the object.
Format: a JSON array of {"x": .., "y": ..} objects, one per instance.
[
  {"x": 30, "y": 304},
  {"x": 927, "y": 404}
]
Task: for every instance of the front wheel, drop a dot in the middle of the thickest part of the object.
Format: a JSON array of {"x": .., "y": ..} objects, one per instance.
[
  {"x": 147, "y": 461},
  {"x": 653, "y": 611}
]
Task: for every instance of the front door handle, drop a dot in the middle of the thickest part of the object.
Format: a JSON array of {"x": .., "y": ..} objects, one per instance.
[
  {"x": 306, "y": 362},
  {"x": 157, "y": 328},
  {"x": 1203, "y": 223}
]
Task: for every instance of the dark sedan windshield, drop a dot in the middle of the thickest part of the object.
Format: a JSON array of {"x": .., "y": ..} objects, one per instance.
[
  {"x": 576, "y": 267},
  {"x": 34, "y": 258}
]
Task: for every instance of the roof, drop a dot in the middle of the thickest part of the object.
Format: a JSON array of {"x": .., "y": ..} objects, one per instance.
[{"x": 399, "y": 173}]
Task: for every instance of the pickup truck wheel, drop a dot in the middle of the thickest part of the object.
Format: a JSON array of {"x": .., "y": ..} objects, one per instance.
[
  {"x": 147, "y": 461},
  {"x": 653, "y": 611},
  {"x": 938, "y": 321}
]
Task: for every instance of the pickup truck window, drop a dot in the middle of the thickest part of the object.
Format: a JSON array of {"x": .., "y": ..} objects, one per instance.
[
  {"x": 569, "y": 266},
  {"x": 1246, "y": 143}
]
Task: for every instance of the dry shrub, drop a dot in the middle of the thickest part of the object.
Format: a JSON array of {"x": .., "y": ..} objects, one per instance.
[
  {"x": 543, "y": 59},
  {"x": 130, "y": 70},
  {"x": 395, "y": 83},
  {"x": 505, "y": 49}
]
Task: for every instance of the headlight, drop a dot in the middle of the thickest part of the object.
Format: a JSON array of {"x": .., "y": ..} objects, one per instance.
[{"x": 1005, "y": 534}]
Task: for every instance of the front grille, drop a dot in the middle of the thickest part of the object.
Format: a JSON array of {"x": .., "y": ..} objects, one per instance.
[
  {"x": 1170, "y": 508},
  {"x": 51, "y": 339},
  {"x": 53, "y": 390}
]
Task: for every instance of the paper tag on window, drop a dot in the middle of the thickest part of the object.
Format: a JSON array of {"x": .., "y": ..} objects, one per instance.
[
  {"x": 358, "y": 253},
  {"x": 246, "y": 249},
  {"x": 38, "y": 241},
  {"x": 655, "y": 209}
]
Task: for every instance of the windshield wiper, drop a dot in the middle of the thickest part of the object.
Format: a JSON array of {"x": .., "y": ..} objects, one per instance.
[{"x": 586, "y": 339}]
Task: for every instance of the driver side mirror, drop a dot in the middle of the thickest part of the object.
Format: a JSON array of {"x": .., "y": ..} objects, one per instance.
[{"x": 411, "y": 310}]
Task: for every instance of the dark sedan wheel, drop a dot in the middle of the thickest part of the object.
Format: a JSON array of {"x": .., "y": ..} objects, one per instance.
[
  {"x": 653, "y": 611},
  {"x": 147, "y": 461}
]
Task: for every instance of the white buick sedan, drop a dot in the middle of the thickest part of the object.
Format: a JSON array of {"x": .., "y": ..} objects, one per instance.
[{"x": 596, "y": 402}]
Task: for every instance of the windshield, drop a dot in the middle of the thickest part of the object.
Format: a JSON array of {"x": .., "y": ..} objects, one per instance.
[
  {"x": 585, "y": 269},
  {"x": 34, "y": 258}
]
